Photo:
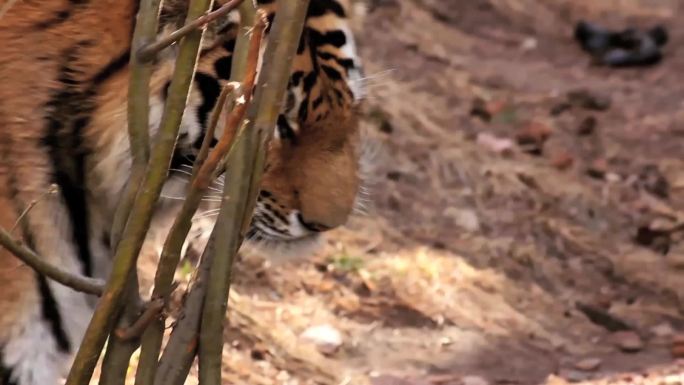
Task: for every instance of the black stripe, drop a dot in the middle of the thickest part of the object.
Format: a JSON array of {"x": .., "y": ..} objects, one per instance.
[
  {"x": 345, "y": 63},
  {"x": 51, "y": 314},
  {"x": 321, "y": 7},
  {"x": 284, "y": 129},
  {"x": 310, "y": 81},
  {"x": 210, "y": 89},
  {"x": 332, "y": 73},
  {"x": 61, "y": 16},
  {"x": 223, "y": 67},
  {"x": 69, "y": 113},
  {"x": 111, "y": 69},
  {"x": 5, "y": 372},
  {"x": 335, "y": 38},
  {"x": 70, "y": 110}
]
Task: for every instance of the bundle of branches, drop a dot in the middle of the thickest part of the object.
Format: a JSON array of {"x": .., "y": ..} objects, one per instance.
[{"x": 120, "y": 316}]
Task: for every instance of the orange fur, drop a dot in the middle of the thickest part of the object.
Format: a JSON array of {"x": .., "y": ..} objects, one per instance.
[{"x": 63, "y": 93}]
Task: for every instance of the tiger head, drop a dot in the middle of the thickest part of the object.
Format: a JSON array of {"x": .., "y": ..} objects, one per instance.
[{"x": 312, "y": 177}]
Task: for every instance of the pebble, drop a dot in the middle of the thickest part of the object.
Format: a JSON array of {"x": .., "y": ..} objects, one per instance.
[
  {"x": 628, "y": 341},
  {"x": 588, "y": 364},
  {"x": 473, "y": 380},
  {"x": 326, "y": 338}
]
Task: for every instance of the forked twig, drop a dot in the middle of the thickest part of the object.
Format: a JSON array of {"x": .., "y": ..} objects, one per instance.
[
  {"x": 244, "y": 169},
  {"x": 236, "y": 116},
  {"x": 148, "y": 52},
  {"x": 168, "y": 262},
  {"x": 53, "y": 189},
  {"x": 129, "y": 247},
  {"x": 152, "y": 311}
]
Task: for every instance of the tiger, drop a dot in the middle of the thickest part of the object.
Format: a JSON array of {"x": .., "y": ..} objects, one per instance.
[{"x": 65, "y": 156}]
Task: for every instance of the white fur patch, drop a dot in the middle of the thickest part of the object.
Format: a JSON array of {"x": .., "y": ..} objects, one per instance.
[{"x": 32, "y": 353}]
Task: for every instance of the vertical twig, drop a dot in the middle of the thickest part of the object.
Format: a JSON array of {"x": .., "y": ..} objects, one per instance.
[
  {"x": 119, "y": 352},
  {"x": 141, "y": 212},
  {"x": 181, "y": 226},
  {"x": 245, "y": 166},
  {"x": 138, "y": 111},
  {"x": 181, "y": 349},
  {"x": 168, "y": 262}
]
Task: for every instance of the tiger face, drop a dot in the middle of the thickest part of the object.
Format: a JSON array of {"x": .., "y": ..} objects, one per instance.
[{"x": 311, "y": 178}]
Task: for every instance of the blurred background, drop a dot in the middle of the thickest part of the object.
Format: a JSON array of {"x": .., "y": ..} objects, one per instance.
[{"x": 525, "y": 210}]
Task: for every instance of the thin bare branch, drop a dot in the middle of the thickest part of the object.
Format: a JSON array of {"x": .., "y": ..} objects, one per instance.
[
  {"x": 118, "y": 354},
  {"x": 146, "y": 28},
  {"x": 53, "y": 189},
  {"x": 150, "y": 51},
  {"x": 244, "y": 169},
  {"x": 211, "y": 129},
  {"x": 236, "y": 116},
  {"x": 181, "y": 349},
  {"x": 38, "y": 263},
  {"x": 174, "y": 242},
  {"x": 141, "y": 212}
]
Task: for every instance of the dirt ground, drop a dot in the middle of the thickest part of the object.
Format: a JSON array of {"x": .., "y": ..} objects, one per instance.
[{"x": 481, "y": 261}]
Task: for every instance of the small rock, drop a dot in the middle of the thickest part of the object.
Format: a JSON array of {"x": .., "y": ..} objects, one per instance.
[
  {"x": 677, "y": 347},
  {"x": 562, "y": 160},
  {"x": 587, "y": 126},
  {"x": 529, "y": 44},
  {"x": 677, "y": 351},
  {"x": 675, "y": 259},
  {"x": 486, "y": 110},
  {"x": 502, "y": 146},
  {"x": 497, "y": 106},
  {"x": 663, "y": 330},
  {"x": 598, "y": 168},
  {"x": 628, "y": 341},
  {"x": 574, "y": 375},
  {"x": 553, "y": 379},
  {"x": 326, "y": 338},
  {"x": 464, "y": 218},
  {"x": 473, "y": 380},
  {"x": 678, "y": 339},
  {"x": 394, "y": 175},
  {"x": 533, "y": 136},
  {"x": 559, "y": 108},
  {"x": 613, "y": 177},
  {"x": 589, "y": 100},
  {"x": 652, "y": 180},
  {"x": 385, "y": 379},
  {"x": 588, "y": 364},
  {"x": 657, "y": 240}
]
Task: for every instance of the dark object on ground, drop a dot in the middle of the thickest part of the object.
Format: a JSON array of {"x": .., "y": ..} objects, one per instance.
[
  {"x": 628, "y": 48},
  {"x": 603, "y": 318}
]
